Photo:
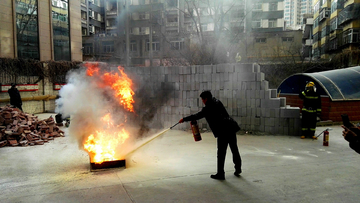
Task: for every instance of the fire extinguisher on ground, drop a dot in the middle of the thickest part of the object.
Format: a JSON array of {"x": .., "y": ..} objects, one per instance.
[
  {"x": 326, "y": 138},
  {"x": 195, "y": 130}
]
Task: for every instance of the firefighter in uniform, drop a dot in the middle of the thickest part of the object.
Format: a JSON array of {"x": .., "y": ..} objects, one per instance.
[{"x": 310, "y": 111}]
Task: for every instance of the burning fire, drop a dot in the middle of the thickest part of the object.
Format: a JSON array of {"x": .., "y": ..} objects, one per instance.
[
  {"x": 102, "y": 144},
  {"x": 121, "y": 84}
]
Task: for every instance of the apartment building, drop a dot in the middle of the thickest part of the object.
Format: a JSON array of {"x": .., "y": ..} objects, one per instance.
[
  {"x": 40, "y": 29},
  {"x": 307, "y": 38},
  {"x": 154, "y": 32},
  {"x": 336, "y": 27},
  {"x": 266, "y": 16},
  {"x": 293, "y": 12}
]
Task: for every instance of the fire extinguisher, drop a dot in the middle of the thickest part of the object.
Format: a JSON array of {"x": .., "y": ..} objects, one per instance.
[
  {"x": 326, "y": 138},
  {"x": 195, "y": 130}
]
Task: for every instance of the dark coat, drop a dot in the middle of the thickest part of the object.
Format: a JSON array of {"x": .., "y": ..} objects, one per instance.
[
  {"x": 354, "y": 141},
  {"x": 214, "y": 112},
  {"x": 15, "y": 98}
]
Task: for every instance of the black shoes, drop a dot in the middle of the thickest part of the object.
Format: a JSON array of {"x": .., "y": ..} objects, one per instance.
[
  {"x": 218, "y": 176},
  {"x": 222, "y": 176},
  {"x": 237, "y": 173}
]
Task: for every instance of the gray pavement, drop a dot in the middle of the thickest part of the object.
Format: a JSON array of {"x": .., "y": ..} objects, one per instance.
[{"x": 175, "y": 168}]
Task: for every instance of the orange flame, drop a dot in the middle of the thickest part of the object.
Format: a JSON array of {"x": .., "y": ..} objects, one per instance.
[
  {"x": 102, "y": 143},
  {"x": 121, "y": 84}
]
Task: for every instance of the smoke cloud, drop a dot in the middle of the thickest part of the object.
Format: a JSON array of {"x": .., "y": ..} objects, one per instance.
[{"x": 86, "y": 101}]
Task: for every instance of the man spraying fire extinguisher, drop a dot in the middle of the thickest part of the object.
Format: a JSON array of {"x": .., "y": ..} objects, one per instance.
[
  {"x": 310, "y": 111},
  {"x": 224, "y": 129}
]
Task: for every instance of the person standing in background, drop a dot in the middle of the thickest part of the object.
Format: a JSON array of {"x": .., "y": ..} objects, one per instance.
[
  {"x": 310, "y": 111},
  {"x": 15, "y": 98}
]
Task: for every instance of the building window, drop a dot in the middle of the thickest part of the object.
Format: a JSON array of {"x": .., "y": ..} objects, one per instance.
[
  {"x": 256, "y": 23},
  {"x": 83, "y": 31},
  {"x": 273, "y": 6},
  {"x": 257, "y": 6},
  {"x": 204, "y": 27},
  {"x": 204, "y": 11},
  {"x": 260, "y": 40},
  {"x": 61, "y": 30},
  {"x": 272, "y": 23},
  {"x": 287, "y": 39},
  {"x": 172, "y": 3},
  {"x": 177, "y": 45},
  {"x": 108, "y": 47},
  {"x": 133, "y": 46},
  {"x": 155, "y": 45},
  {"x": 27, "y": 29},
  {"x": 88, "y": 48}
]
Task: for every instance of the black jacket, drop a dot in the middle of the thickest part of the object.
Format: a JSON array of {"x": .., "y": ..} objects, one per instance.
[
  {"x": 354, "y": 142},
  {"x": 15, "y": 98},
  {"x": 214, "y": 112}
]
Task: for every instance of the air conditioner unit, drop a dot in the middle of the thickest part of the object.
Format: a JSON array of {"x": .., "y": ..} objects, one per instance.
[
  {"x": 114, "y": 34},
  {"x": 91, "y": 1},
  {"x": 101, "y": 35},
  {"x": 327, "y": 14}
]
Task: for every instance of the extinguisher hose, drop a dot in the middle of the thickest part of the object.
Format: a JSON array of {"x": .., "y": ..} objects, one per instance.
[
  {"x": 173, "y": 125},
  {"x": 327, "y": 129}
]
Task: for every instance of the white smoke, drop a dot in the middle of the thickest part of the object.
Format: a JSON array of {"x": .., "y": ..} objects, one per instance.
[{"x": 85, "y": 102}]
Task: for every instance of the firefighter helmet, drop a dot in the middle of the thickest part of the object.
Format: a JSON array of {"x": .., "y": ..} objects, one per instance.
[{"x": 310, "y": 84}]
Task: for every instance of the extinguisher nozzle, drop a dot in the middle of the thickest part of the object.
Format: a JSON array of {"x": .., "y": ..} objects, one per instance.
[{"x": 173, "y": 125}]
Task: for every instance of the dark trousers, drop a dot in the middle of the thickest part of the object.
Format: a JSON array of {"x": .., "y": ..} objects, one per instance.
[
  {"x": 17, "y": 105},
  {"x": 222, "y": 144},
  {"x": 308, "y": 123}
]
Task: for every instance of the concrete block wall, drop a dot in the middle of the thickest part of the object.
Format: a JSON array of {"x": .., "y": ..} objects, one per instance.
[{"x": 241, "y": 88}]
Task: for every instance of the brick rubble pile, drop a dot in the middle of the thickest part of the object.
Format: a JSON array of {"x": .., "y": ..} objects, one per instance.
[{"x": 23, "y": 129}]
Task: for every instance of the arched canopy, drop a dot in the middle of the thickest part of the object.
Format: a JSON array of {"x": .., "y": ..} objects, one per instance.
[{"x": 339, "y": 84}]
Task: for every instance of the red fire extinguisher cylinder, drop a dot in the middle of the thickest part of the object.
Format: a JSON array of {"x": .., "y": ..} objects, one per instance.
[
  {"x": 195, "y": 131},
  {"x": 326, "y": 138}
]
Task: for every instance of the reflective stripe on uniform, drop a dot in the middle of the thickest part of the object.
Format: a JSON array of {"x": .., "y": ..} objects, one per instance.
[
  {"x": 308, "y": 110},
  {"x": 309, "y": 97}
]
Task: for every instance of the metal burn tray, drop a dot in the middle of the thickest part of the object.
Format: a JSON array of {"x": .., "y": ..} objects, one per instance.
[{"x": 107, "y": 165}]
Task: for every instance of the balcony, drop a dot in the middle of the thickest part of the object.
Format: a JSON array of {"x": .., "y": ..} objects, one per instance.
[
  {"x": 172, "y": 24},
  {"x": 309, "y": 42},
  {"x": 111, "y": 12},
  {"x": 349, "y": 13}
]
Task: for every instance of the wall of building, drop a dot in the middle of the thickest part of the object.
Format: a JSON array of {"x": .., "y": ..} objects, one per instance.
[
  {"x": 8, "y": 35},
  {"x": 241, "y": 88},
  {"x": 75, "y": 30},
  {"x": 7, "y": 29}
]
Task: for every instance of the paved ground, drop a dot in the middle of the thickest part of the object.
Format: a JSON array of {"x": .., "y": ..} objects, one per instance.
[{"x": 174, "y": 168}]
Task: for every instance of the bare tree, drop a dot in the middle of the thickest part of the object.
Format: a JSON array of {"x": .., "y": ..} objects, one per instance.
[{"x": 209, "y": 32}]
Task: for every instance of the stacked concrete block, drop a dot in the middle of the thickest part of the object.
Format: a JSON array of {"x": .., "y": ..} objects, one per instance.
[{"x": 242, "y": 88}]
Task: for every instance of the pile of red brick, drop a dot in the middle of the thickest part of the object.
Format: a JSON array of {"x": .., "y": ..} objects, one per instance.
[{"x": 22, "y": 129}]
